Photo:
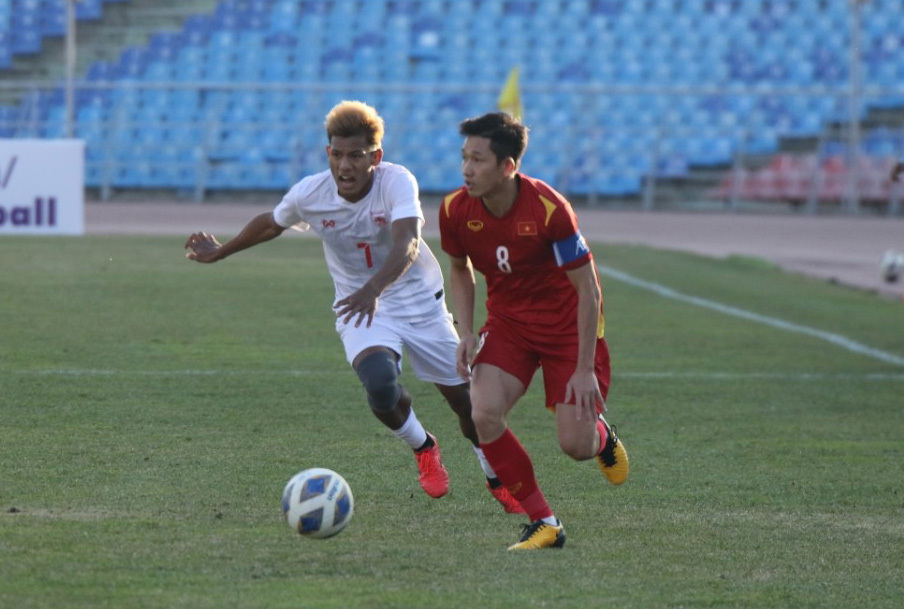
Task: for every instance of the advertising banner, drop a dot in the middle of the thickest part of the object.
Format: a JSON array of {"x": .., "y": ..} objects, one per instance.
[{"x": 42, "y": 187}]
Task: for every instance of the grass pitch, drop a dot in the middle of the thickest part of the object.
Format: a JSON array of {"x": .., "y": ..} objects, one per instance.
[{"x": 152, "y": 409}]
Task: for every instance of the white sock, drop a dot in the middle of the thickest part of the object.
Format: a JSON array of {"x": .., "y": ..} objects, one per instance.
[
  {"x": 551, "y": 520},
  {"x": 484, "y": 464},
  {"x": 412, "y": 431}
]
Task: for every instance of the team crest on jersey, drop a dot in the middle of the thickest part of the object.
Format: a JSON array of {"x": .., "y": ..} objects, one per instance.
[
  {"x": 475, "y": 225},
  {"x": 379, "y": 220},
  {"x": 527, "y": 229},
  {"x": 328, "y": 223}
]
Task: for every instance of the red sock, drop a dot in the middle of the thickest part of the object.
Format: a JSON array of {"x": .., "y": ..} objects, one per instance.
[{"x": 514, "y": 469}]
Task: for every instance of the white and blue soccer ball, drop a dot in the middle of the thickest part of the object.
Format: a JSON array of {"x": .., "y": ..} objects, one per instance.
[
  {"x": 892, "y": 265},
  {"x": 318, "y": 503}
]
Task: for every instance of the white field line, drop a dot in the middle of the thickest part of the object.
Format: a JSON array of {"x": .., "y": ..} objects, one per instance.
[{"x": 835, "y": 339}]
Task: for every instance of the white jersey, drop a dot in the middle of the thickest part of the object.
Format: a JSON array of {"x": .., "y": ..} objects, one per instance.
[{"x": 357, "y": 237}]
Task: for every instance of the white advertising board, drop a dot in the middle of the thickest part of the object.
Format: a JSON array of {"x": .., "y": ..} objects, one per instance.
[{"x": 42, "y": 187}]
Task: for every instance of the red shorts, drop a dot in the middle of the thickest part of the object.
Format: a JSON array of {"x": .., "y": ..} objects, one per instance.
[{"x": 519, "y": 355}]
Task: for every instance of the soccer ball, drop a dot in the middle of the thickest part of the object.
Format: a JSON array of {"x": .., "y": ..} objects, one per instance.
[
  {"x": 892, "y": 265},
  {"x": 318, "y": 503}
]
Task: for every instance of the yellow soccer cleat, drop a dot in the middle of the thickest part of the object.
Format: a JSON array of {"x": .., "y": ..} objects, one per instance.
[
  {"x": 538, "y": 534},
  {"x": 613, "y": 459}
]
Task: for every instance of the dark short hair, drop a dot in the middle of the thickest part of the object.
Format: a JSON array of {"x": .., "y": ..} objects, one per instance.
[{"x": 507, "y": 135}]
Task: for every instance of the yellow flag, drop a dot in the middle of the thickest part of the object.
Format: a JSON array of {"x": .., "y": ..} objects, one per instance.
[{"x": 510, "y": 97}]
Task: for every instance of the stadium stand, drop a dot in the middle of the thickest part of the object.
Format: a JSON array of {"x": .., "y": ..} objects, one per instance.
[
  {"x": 802, "y": 179},
  {"x": 617, "y": 92}
]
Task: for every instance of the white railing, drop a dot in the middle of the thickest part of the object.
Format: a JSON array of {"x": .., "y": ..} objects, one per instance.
[{"x": 261, "y": 151}]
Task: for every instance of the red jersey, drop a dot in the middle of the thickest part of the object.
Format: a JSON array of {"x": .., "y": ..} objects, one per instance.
[{"x": 523, "y": 255}]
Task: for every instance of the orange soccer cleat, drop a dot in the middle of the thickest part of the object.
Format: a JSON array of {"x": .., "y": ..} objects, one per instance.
[
  {"x": 434, "y": 478},
  {"x": 505, "y": 498}
]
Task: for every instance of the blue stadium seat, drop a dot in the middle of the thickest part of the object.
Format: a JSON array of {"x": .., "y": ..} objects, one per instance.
[
  {"x": 165, "y": 45},
  {"x": 196, "y": 30},
  {"x": 89, "y": 9},
  {"x": 26, "y": 39},
  {"x": 6, "y": 52},
  {"x": 53, "y": 19}
]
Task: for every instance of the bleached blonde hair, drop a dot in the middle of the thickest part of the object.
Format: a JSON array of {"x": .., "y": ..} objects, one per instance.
[{"x": 351, "y": 118}]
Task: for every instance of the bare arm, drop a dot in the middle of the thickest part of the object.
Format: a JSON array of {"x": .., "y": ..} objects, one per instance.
[
  {"x": 461, "y": 290},
  {"x": 897, "y": 171},
  {"x": 205, "y": 247},
  {"x": 583, "y": 386},
  {"x": 406, "y": 236}
]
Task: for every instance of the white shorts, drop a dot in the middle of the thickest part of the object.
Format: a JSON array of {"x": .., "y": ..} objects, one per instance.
[{"x": 430, "y": 343}]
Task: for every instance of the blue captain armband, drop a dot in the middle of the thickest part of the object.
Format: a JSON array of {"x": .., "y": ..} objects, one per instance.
[{"x": 570, "y": 249}]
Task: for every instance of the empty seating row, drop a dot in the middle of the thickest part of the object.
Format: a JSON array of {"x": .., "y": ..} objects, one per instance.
[
  {"x": 802, "y": 177},
  {"x": 25, "y": 23}
]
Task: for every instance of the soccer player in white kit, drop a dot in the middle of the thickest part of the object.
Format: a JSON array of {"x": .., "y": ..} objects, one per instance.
[{"x": 389, "y": 286}]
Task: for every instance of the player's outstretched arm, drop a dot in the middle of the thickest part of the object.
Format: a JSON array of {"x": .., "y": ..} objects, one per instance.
[
  {"x": 897, "y": 171},
  {"x": 204, "y": 247}
]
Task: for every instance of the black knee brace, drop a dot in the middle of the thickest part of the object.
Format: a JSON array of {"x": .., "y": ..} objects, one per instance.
[{"x": 379, "y": 374}]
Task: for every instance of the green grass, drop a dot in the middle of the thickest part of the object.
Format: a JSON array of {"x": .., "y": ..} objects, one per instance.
[{"x": 152, "y": 409}]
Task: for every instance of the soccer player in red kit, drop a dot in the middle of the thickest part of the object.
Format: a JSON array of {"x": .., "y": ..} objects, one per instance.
[{"x": 544, "y": 309}]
